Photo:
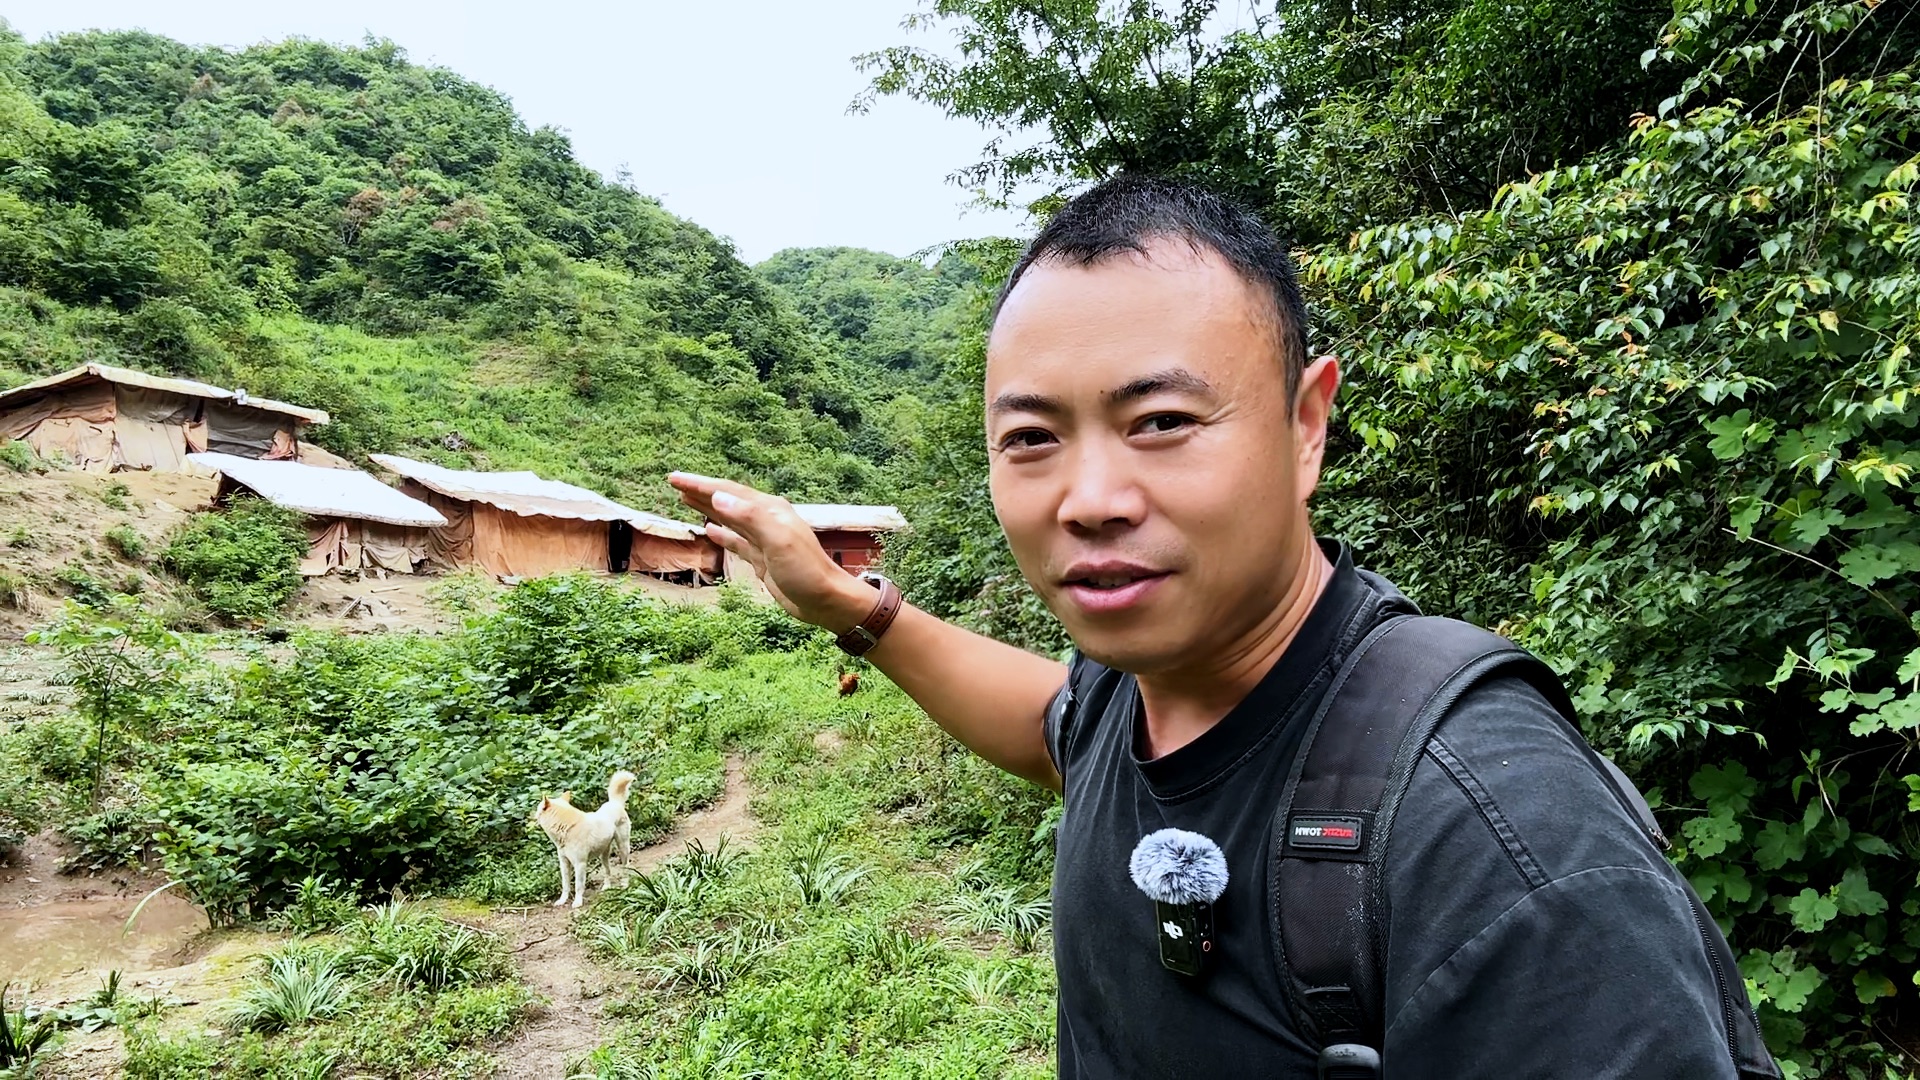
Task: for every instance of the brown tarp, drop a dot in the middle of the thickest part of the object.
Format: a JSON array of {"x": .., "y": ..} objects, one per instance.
[
  {"x": 519, "y": 545},
  {"x": 507, "y": 544},
  {"x": 657, "y": 554},
  {"x": 352, "y": 544},
  {"x": 76, "y": 425}
]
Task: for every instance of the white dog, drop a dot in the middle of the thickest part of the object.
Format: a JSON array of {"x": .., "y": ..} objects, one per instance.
[{"x": 581, "y": 838}]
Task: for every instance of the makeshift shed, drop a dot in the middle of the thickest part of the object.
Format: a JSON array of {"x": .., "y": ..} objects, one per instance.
[
  {"x": 518, "y": 524},
  {"x": 851, "y": 534},
  {"x": 102, "y": 418},
  {"x": 353, "y": 520}
]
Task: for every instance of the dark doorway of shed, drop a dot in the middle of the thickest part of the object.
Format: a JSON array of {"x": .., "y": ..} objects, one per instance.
[{"x": 619, "y": 546}]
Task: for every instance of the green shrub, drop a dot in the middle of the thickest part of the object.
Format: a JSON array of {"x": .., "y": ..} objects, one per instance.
[
  {"x": 130, "y": 544},
  {"x": 115, "y": 494},
  {"x": 21, "y": 537},
  {"x": 83, "y": 586},
  {"x": 19, "y": 457},
  {"x": 557, "y": 639},
  {"x": 243, "y": 562},
  {"x": 25, "y": 1037}
]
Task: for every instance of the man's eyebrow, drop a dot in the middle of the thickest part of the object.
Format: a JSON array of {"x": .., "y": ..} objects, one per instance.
[
  {"x": 1029, "y": 403},
  {"x": 1173, "y": 380}
]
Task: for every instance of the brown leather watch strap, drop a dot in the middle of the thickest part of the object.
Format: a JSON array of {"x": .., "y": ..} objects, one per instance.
[{"x": 866, "y": 634}]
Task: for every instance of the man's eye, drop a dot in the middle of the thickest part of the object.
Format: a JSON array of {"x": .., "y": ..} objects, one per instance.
[
  {"x": 1164, "y": 423},
  {"x": 1026, "y": 439}
]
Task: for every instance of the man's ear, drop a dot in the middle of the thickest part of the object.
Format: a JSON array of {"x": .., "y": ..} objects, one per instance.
[{"x": 1312, "y": 410}]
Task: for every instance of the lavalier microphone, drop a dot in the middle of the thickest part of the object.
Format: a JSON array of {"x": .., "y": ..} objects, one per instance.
[{"x": 1183, "y": 873}]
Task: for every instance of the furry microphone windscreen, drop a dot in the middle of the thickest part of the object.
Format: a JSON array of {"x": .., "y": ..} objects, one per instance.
[{"x": 1174, "y": 866}]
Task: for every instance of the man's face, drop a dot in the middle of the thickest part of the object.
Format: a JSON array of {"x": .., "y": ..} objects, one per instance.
[{"x": 1146, "y": 462}]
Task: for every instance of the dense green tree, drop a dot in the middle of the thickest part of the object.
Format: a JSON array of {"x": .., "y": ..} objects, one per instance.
[
  {"x": 1627, "y": 302},
  {"x": 1328, "y": 114}
]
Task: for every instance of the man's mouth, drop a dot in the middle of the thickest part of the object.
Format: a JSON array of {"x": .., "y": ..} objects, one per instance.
[{"x": 1109, "y": 587}]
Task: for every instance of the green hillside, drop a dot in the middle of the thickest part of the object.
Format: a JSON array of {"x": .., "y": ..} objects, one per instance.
[{"x": 390, "y": 242}]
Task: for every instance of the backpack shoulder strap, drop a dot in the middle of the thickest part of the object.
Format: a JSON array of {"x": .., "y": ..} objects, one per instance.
[
  {"x": 1329, "y": 836},
  {"x": 1325, "y": 887}
]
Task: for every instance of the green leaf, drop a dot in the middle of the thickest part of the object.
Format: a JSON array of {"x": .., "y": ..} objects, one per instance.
[
  {"x": 1730, "y": 434},
  {"x": 1813, "y": 526},
  {"x": 1724, "y": 788},
  {"x": 1854, "y": 896},
  {"x": 1868, "y": 564},
  {"x": 1812, "y": 911},
  {"x": 1909, "y": 668},
  {"x": 1899, "y": 715},
  {"x": 1778, "y": 844},
  {"x": 1871, "y": 986},
  {"x": 1710, "y": 835},
  {"x": 1872, "y": 845}
]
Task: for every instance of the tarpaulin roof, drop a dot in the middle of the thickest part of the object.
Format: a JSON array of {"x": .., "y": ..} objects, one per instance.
[
  {"x": 849, "y": 517},
  {"x": 528, "y": 494},
  {"x": 322, "y": 492},
  {"x": 187, "y": 387}
]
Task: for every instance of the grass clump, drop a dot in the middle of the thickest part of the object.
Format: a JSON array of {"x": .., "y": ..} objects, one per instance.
[
  {"x": 299, "y": 986},
  {"x": 130, "y": 544}
]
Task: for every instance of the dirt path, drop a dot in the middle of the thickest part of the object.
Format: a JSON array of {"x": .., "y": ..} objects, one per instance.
[{"x": 555, "y": 966}]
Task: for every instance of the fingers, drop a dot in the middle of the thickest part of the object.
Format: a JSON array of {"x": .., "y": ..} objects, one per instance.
[
  {"x": 698, "y": 491},
  {"x": 752, "y": 516},
  {"x": 730, "y": 540}
]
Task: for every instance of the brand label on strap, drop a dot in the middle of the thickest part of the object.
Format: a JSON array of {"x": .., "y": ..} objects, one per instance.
[{"x": 1326, "y": 832}]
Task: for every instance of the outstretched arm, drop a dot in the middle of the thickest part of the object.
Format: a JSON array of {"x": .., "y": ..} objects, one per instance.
[{"x": 987, "y": 694}]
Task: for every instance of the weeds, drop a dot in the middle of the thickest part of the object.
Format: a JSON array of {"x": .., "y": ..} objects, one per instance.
[
  {"x": 130, "y": 544},
  {"x": 115, "y": 494},
  {"x": 299, "y": 986},
  {"x": 319, "y": 904},
  {"x": 19, "y": 456},
  {"x": 24, "y": 1036},
  {"x": 709, "y": 964},
  {"x": 413, "y": 949},
  {"x": 1004, "y": 911},
  {"x": 824, "y": 876},
  {"x": 702, "y": 1050},
  {"x": 892, "y": 949}
]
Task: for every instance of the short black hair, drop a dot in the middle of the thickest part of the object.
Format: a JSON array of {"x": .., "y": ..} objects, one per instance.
[{"x": 1124, "y": 214}]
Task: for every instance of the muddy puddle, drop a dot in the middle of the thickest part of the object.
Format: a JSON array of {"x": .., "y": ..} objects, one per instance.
[{"x": 51, "y": 939}]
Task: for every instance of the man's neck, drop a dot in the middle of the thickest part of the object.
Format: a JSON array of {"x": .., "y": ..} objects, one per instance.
[{"x": 1182, "y": 706}]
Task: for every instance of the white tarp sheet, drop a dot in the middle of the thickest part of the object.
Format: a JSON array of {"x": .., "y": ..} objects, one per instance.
[
  {"x": 849, "y": 517},
  {"x": 322, "y": 492},
  {"x": 528, "y": 494}
]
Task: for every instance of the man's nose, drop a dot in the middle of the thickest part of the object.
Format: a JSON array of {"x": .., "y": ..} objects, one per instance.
[{"x": 1102, "y": 492}]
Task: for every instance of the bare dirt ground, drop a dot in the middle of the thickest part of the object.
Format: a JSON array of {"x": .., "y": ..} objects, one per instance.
[
  {"x": 60, "y": 519},
  {"x": 555, "y": 965}
]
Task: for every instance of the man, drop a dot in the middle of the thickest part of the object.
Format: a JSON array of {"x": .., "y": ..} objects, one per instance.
[{"x": 1156, "y": 430}]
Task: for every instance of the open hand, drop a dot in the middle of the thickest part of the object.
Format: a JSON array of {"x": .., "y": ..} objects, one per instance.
[{"x": 764, "y": 530}]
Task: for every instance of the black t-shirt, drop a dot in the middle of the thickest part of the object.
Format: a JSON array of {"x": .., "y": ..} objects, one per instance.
[{"x": 1532, "y": 929}]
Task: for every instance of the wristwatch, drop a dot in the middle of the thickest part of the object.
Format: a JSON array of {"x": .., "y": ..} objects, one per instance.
[{"x": 866, "y": 633}]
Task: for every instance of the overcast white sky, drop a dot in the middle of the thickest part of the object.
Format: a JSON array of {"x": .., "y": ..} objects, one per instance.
[{"x": 734, "y": 115}]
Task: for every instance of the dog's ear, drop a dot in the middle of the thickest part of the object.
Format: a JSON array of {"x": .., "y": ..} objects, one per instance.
[{"x": 545, "y": 802}]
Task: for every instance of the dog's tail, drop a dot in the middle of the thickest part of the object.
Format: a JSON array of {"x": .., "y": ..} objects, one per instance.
[{"x": 618, "y": 786}]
